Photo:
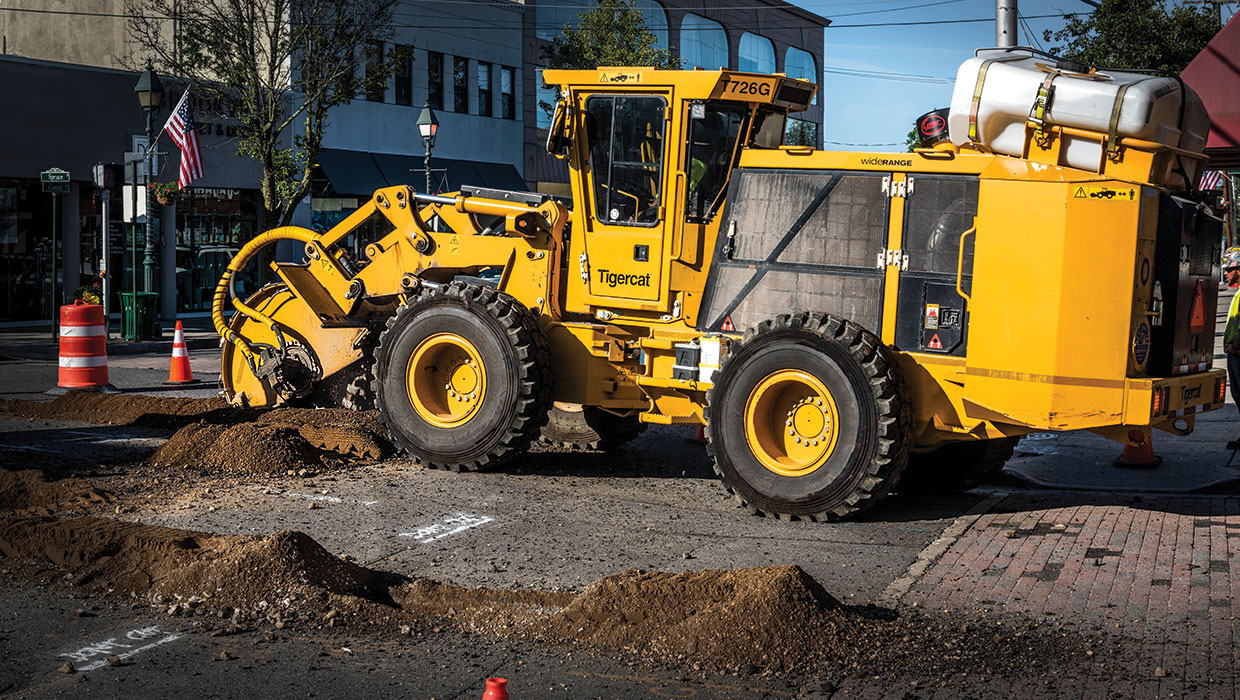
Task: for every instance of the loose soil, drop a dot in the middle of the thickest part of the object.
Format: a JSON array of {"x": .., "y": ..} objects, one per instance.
[
  {"x": 213, "y": 435},
  {"x": 772, "y": 619},
  {"x": 125, "y": 409},
  {"x": 28, "y": 491}
]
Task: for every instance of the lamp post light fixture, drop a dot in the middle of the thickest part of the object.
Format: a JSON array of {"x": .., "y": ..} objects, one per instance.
[
  {"x": 428, "y": 127},
  {"x": 150, "y": 93}
]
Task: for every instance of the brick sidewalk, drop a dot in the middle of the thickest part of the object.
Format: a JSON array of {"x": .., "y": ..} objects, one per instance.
[{"x": 1155, "y": 570}]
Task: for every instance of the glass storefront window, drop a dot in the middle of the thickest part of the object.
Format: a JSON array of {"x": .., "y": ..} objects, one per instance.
[
  {"x": 756, "y": 55},
  {"x": 212, "y": 225},
  {"x": 800, "y": 64},
  {"x": 25, "y": 251},
  {"x": 703, "y": 43}
]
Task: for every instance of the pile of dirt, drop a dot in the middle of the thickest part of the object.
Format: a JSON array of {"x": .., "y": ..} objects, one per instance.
[
  {"x": 773, "y": 619},
  {"x": 279, "y": 441},
  {"x": 124, "y": 409},
  {"x": 28, "y": 491},
  {"x": 163, "y": 563},
  {"x": 357, "y": 433},
  {"x": 247, "y": 448},
  {"x": 778, "y": 619}
]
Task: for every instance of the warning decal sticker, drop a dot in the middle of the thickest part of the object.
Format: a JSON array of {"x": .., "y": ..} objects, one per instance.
[
  {"x": 1110, "y": 194},
  {"x": 932, "y": 317},
  {"x": 935, "y": 343}
]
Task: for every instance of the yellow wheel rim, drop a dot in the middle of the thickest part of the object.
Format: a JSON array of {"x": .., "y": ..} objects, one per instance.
[
  {"x": 446, "y": 380},
  {"x": 791, "y": 423}
]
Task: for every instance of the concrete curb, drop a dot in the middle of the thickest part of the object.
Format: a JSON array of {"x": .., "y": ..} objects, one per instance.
[
  {"x": 151, "y": 347},
  {"x": 1099, "y": 488}
]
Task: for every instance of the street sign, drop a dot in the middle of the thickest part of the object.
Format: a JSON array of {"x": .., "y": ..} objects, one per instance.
[
  {"x": 55, "y": 180},
  {"x": 54, "y": 175}
]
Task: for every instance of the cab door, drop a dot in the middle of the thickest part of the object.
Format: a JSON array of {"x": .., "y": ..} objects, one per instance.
[{"x": 625, "y": 188}]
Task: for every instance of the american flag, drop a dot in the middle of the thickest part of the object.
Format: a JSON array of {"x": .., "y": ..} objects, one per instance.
[
  {"x": 1210, "y": 180},
  {"x": 181, "y": 128}
]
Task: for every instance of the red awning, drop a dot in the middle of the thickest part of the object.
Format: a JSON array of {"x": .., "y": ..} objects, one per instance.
[{"x": 1215, "y": 75}]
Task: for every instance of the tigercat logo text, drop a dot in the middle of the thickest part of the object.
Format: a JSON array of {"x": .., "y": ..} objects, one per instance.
[
  {"x": 616, "y": 279},
  {"x": 898, "y": 162},
  {"x": 1192, "y": 392}
]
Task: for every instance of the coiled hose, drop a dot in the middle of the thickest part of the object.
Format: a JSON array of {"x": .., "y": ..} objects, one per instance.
[{"x": 225, "y": 287}]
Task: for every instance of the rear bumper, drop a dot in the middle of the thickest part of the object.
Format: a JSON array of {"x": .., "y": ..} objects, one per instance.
[{"x": 1157, "y": 400}]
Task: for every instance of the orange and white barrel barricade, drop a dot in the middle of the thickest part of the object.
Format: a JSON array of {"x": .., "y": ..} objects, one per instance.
[{"x": 83, "y": 347}]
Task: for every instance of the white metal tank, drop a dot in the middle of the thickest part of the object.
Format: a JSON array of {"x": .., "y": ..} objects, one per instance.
[{"x": 998, "y": 90}]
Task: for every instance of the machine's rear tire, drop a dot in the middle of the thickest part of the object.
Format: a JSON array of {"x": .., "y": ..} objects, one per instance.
[
  {"x": 462, "y": 377},
  {"x": 589, "y": 428},
  {"x": 808, "y": 418},
  {"x": 956, "y": 466}
]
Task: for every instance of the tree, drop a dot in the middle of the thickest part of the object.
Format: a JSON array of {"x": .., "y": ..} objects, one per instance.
[
  {"x": 912, "y": 139},
  {"x": 274, "y": 66},
  {"x": 1135, "y": 34},
  {"x": 612, "y": 34}
]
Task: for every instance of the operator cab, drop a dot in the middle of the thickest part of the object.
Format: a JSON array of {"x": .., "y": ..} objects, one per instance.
[{"x": 653, "y": 152}]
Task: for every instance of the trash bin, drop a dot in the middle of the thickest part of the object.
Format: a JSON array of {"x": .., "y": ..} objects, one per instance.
[{"x": 145, "y": 322}]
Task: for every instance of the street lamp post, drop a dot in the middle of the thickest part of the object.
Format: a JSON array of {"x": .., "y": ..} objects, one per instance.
[
  {"x": 150, "y": 93},
  {"x": 428, "y": 126}
]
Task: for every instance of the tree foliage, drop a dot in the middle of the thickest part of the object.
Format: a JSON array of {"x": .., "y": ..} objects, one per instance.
[
  {"x": 614, "y": 33},
  {"x": 912, "y": 139},
  {"x": 275, "y": 66},
  {"x": 1135, "y": 34}
]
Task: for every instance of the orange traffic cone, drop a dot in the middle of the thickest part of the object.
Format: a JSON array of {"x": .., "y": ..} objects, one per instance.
[
  {"x": 1138, "y": 452},
  {"x": 179, "y": 372},
  {"x": 497, "y": 689},
  {"x": 699, "y": 437}
]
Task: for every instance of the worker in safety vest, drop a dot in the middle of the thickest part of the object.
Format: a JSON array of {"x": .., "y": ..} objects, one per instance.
[{"x": 1231, "y": 336}]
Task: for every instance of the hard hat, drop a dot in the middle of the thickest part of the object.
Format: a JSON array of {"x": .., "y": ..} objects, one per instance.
[{"x": 1231, "y": 258}]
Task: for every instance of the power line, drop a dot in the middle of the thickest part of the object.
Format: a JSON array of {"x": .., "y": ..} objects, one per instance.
[
  {"x": 945, "y": 21},
  {"x": 890, "y": 76},
  {"x": 792, "y": 24}
]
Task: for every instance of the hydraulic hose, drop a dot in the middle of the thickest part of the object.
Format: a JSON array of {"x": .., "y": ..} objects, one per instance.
[{"x": 236, "y": 265}]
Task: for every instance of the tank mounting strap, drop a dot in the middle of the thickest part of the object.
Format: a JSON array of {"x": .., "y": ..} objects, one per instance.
[
  {"x": 977, "y": 91},
  {"x": 1046, "y": 92},
  {"x": 1112, "y": 148}
]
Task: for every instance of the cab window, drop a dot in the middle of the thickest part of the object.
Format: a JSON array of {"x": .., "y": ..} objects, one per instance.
[
  {"x": 712, "y": 150},
  {"x": 769, "y": 131},
  {"x": 625, "y": 134}
]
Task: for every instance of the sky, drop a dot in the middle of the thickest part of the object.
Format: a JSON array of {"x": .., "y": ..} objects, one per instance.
[{"x": 917, "y": 64}]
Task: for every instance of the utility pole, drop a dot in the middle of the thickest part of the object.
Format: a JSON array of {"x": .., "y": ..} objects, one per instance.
[{"x": 1005, "y": 23}]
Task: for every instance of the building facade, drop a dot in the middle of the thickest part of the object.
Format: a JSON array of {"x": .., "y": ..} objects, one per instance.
[
  {"x": 67, "y": 71},
  {"x": 766, "y": 36}
]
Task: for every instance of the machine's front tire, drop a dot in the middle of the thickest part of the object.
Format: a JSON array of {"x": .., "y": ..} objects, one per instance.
[
  {"x": 586, "y": 427},
  {"x": 462, "y": 377},
  {"x": 957, "y": 466},
  {"x": 808, "y": 418}
]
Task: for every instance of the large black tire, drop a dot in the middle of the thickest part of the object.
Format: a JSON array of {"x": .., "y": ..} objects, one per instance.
[
  {"x": 589, "y": 428},
  {"x": 956, "y": 466},
  {"x": 512, "y": 358},
  {"x": 862, "y": 386}
]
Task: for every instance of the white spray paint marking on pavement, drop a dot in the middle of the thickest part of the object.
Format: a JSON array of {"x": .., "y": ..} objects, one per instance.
[
  {"x": 112, "y": 646},
  {"x": 448, "y": 526},
  {"x": 1039, "y": 443}
]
